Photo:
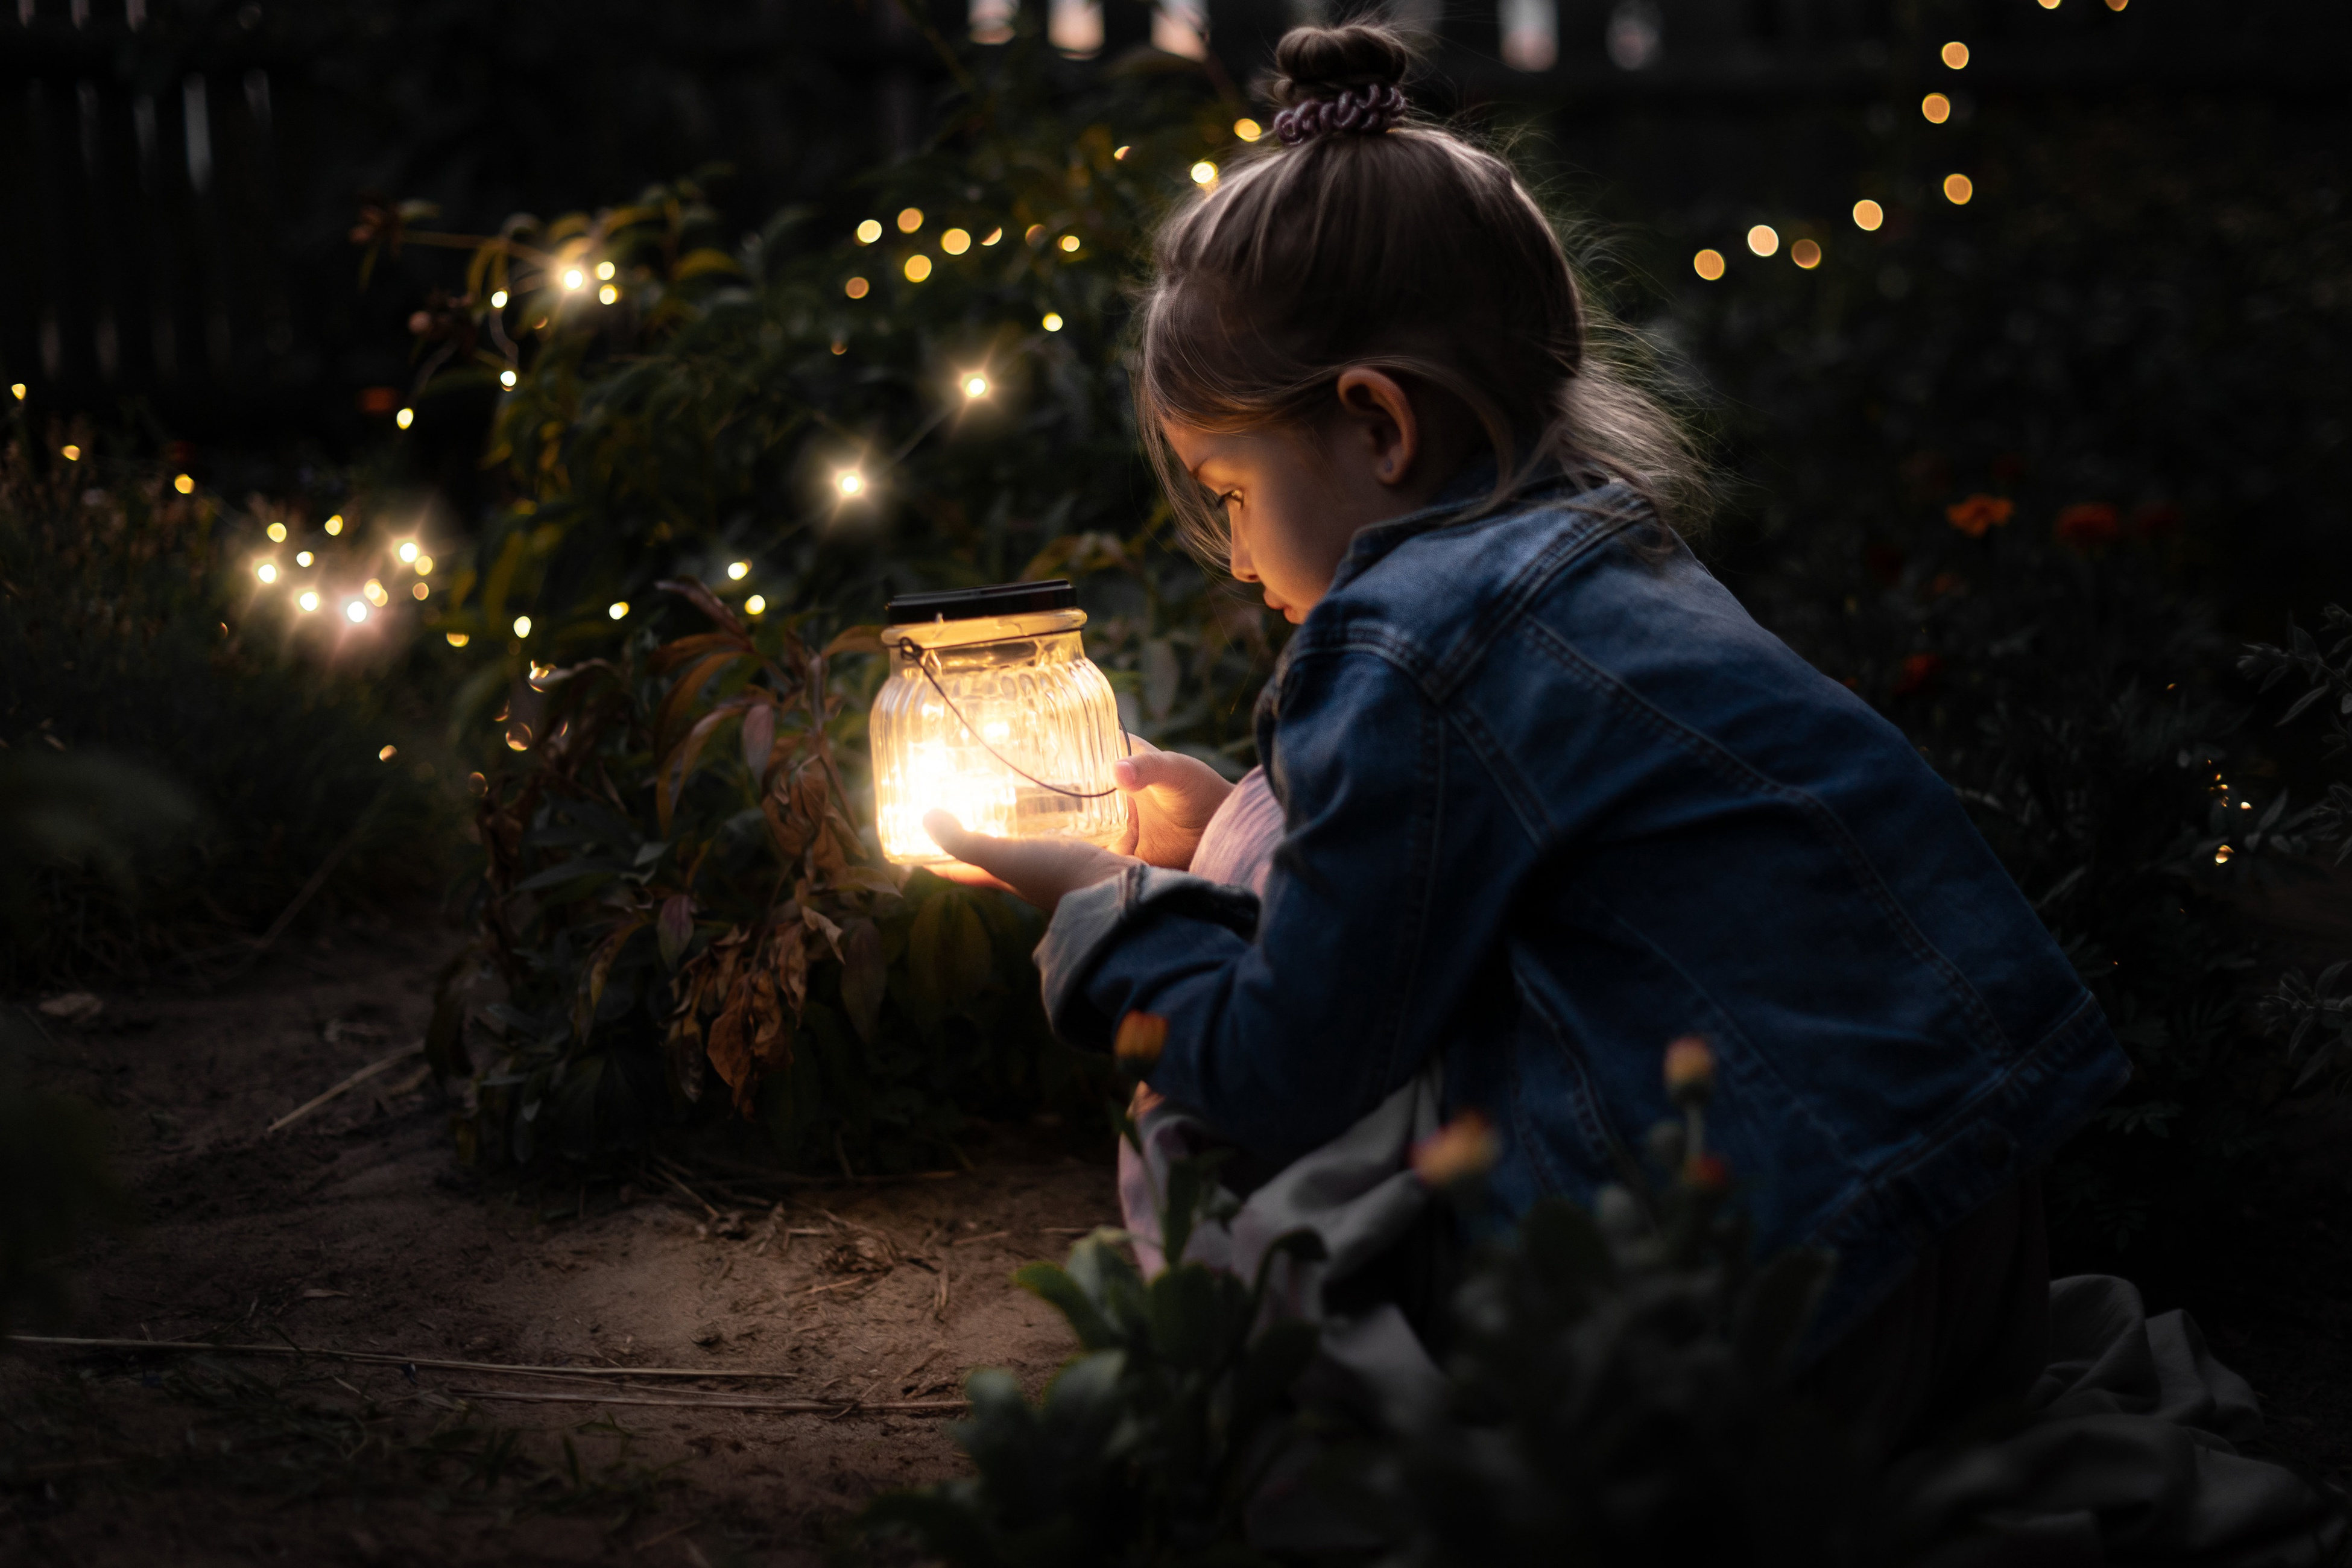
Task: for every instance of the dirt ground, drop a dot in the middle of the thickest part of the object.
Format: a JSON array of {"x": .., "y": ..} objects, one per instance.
[{"x": 353, "y": 1229}]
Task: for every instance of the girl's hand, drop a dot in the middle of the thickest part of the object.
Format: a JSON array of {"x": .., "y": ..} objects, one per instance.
[
  {"x": 1041, "y": 871},
  {"x": 1169, "y": 799}
]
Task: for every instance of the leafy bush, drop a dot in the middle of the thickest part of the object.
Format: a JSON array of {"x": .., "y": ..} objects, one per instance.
[{"x": 133, "y": 646}]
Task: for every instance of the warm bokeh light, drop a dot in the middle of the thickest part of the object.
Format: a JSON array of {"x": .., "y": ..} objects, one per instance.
[
  {"x": 856, "y": 287},
  {"x": 1868, "y": 214},
  {"x": 1763, "y": 240},
  {"x": 1033, "y": 233},
  {"x": 956, "y": 241},
  {"x": 420, "y": 590},
  {"x": 1052, "y": 321},
  {"x": 1958, "y": 189},
  {"x": 1248, "y": 129},
  {"x": 458, "y": 639},
  {"x": 911, "y": 219},
  {"x": 1069, "y": 242},
  {"x": 334, "y": 524},
  {"x": 1955, "y": 55},
  {"x": 608, "y": 295},
  {"x": 1204, "y": 172},
  {"x": 2117, "y": 4},
  {"x": 498, "y": 301},
  {"x": 574, "y": 279},
  {"x": 993, "y": 236},
  {"x": 506, "y": 378},
  {"x": 71, "y": 454},
  {"x": 1708, "y": 263},
  {"x": 605, "y": 269},
  {"x": 308, "y": 600},
  {"x": 408, "y": 551},
  {"x": 303, "y": 558},
  {"x": 918, "y": 267},
  {"x": 523, "y": 626},
  {"x": 266, "y": 571},
  {"x": 975, "y": 385},
  {"x": 277, "y": 531},
  {"x": 1936, "y": 108},
  {"x": 756, "y": 606},
  {"x": 2050, "y": 5},
  {"x": 356, "y": 611},
  {"x": 405, "y": 418},
  {"x": 869, "y": 232},
  {"x": 1119, "y": 154},
  {"x": 387, "y": 753},
  {"x": 738, "y": 570},
  {"x": 840, "y": 346},
  {"x": 618, "y": 609},
  {"x": 1806, "y": 254},
  {"x": 17, "y": 388},
  {"x": 185, "y": 484},
  {"x": 373, "y": 591},
  {"x": 424, "y": 565},
  {"x": 2221, "y": 856}
]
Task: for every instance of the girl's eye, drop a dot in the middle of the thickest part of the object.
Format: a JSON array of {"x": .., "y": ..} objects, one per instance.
[{"x": 1228, "y": 498}]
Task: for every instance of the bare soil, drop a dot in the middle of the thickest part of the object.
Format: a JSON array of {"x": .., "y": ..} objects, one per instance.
[{"x": 355, "y": 1230}]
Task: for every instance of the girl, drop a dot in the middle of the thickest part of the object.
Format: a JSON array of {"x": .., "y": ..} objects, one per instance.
[{"x": 1549, "y": 797}]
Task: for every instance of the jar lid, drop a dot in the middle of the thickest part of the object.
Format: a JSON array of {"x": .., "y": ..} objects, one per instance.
[{"x": 982, "y": 603}]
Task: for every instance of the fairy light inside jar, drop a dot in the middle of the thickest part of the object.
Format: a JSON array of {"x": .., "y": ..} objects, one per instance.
[{"x": 993, "y": 714}]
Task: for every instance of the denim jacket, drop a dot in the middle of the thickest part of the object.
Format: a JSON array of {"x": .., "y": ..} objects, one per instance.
[{"x": 1552, "y": 801}]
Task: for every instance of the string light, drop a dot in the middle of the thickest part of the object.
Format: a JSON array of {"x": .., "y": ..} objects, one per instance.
[
  {"x": 856, "y": 287},
  {"x": 1868, "y": 214},
  {"x": 375, "y": 594},
  {"x": 975, "y": 385},
  {"x": 605, "y": 269},
  {"x": 1958, "y": 189},
  {"x": 618, "y": 609},
  {"x": 277, "y": 531},
  {"x": 387, "y": 753},
  {"x": 2117, "y": 4},
  {"x": 405, "y": 418},
  {"x": 303, "y": 558},
  {"x": 1119, "y": 154},
  {"x": 1763, "y": 240},
  {"x": 1248, "y": 129},
  {"x": 185, "y": 484},
  {"x": 507, "y": 378},
  {"x": 267, "y": 572},
  {"x": 756, "y": 604},
  {"x": 334, "y": 524},
  {"x": 993, "y": 236},
  {"x": 18, "y": 387},
  {"x": 869, "y": 232},
  {"x": 911, "y": 219},
  {"x": 70, "y": 452},
  {"x": 308, "y": 600},
  {"x": 2050, "y": 5},
  {"x": 738, "y": 570},
  {"x": 574, "y": 278},
  {"x": 523, "y": 626},
  {"x": 918, "y": 267},
  {"x": 498, "y": 301},
  {"x": 1936, "y": 108},
  {"x": 955, "y": 242},
  {"x": 1708, "y": 263},
  {"x": 1052, "y": 321},
  {"x": 608, "y": 295},
  {"x": 1806, "y": 254},
  {"x": 1204, "y": 172},
  {"x": 1955, "y": 55},
  {"x": 1033, "y": 233},
  {"x": 408, "y": 551},
  {"x": 424, "y": 565},
  {"x": 2221, "y": 856},
  {"x": 840, "y": 346},
  {"x": 1069, "y": 242},
  {"x": 456, "y": 640},
  {"x": 420, "y": 591},
  {"x": 356, "y": 611},
  {"x": 850, "y": 483}
]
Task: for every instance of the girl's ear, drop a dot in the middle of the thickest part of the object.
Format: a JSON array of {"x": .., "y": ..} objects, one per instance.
[{"x": 1383, "y": 430}]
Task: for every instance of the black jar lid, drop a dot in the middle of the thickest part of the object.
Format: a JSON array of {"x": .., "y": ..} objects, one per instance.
[{"x": 978, "y": 603}]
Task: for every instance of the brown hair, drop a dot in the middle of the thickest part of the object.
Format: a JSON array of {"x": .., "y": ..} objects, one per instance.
[{"x": 1409, "y": 250}]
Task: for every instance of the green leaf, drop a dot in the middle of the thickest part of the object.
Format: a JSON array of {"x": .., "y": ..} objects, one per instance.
[{"x": 1052, "y": 1285}]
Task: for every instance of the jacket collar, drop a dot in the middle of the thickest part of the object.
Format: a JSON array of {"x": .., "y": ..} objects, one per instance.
[{"x": 1456, "y": 501}]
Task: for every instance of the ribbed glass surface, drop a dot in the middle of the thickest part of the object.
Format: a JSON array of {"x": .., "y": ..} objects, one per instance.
[{"x": 1034, "y": 701}]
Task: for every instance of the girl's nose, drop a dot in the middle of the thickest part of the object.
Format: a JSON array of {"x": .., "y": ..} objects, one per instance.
[{"x": 1237, "y": 558}]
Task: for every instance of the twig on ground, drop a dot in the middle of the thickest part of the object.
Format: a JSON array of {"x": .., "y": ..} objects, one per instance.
[
  {"x": 318, "y": 880},
  {"x": 968, "y": 1240},
  {"x": 377, "y": 1358},
  {"x": 361, "y": 1076},
  {"x": 836, "y": 1408}
]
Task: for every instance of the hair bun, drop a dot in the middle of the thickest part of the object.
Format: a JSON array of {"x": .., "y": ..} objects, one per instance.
[{"x": 1313, "y": 63}]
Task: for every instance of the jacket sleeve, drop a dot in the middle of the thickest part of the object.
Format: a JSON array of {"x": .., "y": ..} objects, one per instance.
[{"x": 1289, "y": 1021}]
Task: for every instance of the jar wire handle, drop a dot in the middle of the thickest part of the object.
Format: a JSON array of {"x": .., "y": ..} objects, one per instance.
[{"x": 922, "y": 657}]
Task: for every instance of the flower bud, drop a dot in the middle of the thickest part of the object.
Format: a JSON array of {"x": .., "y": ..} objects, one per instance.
[
  {"x": 1690, "y": 1071},
  {"x": 1463, "y": 1148},
  {"x": 1620, "y": 1214},
  {"x": 1141, "y": 1038}
]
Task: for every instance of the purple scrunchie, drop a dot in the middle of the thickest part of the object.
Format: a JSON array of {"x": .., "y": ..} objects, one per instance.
[{"x": 1359, "y": 110}]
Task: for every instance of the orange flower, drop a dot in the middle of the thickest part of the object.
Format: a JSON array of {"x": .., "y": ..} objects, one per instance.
[
  {"x": 2089, "y": 522},
  {"x": 1980, "y": 513},
  {"x": 1918, "y": 670},
  {"x": 1141, "y": 1038},
  {"x": 1708, "y": 1173},
  {"x": 1690, "y": 1069},
  {"x": 1463, "y": 1148}
]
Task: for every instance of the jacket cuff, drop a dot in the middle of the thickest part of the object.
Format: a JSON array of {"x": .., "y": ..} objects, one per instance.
[{"x": 1088, "y": 924}]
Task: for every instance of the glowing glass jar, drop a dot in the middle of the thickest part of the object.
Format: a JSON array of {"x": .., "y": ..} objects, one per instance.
[{"x": 993, "y": 712}]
